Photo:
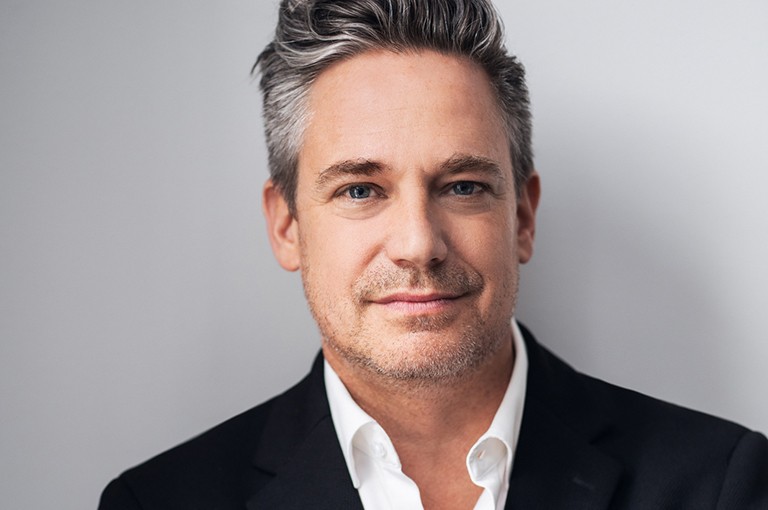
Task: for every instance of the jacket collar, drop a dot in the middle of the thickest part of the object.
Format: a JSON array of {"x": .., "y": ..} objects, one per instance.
[
  {"x": 557, "y": 464},
  {"x": 300, "y": 449}
]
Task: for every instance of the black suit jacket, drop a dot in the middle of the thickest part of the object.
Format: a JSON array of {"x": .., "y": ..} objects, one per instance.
[{"x": 584, "y": 444}]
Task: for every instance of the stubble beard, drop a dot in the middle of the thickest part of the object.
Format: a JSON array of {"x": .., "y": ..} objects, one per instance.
[{"x": 416, "y": 355}]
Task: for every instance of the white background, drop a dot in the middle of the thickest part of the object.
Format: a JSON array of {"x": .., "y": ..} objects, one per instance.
[{"x": 139, "y": 301}]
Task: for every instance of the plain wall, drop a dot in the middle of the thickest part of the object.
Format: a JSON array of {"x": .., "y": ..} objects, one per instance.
[{"x": 139, "y": 300}]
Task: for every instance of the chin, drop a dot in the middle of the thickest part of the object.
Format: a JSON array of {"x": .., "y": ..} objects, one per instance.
[{"x": 421, "y": 356}]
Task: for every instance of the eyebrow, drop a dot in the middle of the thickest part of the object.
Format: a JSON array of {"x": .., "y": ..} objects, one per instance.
[
  {"x": 456, "y": 164},
  {"x": 354, "y": 167},
  {"x": 459, "y": 163}
]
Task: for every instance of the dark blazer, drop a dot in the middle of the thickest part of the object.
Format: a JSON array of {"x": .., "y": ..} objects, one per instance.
[{"x": 584, "y": 444}]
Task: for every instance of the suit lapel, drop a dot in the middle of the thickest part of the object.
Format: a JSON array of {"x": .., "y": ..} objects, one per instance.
[
  {"x": 556, "y": 464},
  {"x": 316, "y": 477},
  {"x": 301, "y": 450},
  {"x": 555, "y": 470}
]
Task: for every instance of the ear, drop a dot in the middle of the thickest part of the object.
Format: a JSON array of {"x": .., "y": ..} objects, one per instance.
[
  {"x": 281, "y": 227},
  {"x": 526, "y": 217}
]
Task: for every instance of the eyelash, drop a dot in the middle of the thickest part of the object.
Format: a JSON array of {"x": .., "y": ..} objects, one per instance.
[
  {"x": 344, "y": 192},
  {"x": 479, "y": 187}
]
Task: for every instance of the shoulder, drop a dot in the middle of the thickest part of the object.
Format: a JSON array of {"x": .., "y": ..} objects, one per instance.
[
  {"x": 666, "y": 452},
  {"x": 673, "y": 453},
  {"x": 215, "y": 469},
  {"x": 588, "y": 404},
  {"x": 640, "y": 426},
  {"x": 205, "y": 468}
]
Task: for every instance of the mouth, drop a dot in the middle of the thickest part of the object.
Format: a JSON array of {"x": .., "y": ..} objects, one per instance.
[{"x": 417, "y": 303}]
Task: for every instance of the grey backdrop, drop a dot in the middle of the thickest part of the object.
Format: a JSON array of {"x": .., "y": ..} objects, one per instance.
[{"x": 139, "y": 301}]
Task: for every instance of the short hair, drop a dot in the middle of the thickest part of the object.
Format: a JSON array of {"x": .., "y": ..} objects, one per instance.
[{"x": 311, "y": 35}]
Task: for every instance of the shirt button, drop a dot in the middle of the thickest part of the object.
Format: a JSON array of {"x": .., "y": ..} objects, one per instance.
[{"x": 379, "y": 450}]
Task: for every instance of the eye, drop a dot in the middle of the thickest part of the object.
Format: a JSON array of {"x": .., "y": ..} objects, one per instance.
[
  {"x": 465, "y": 188},
  {"x": 359, "y": 191}
]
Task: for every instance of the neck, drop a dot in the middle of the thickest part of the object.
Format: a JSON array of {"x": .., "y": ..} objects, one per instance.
[
  {"x": 427, "y": 415},
  {"x": 433, "y": 424}
]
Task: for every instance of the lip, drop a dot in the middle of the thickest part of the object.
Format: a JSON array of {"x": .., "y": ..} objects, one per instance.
[
  {"x": 409, "y": 303},
  {"x": 409, "y": 297}
]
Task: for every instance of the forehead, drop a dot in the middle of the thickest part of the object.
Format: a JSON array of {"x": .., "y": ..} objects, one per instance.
[{"x": 414, "y": 109}]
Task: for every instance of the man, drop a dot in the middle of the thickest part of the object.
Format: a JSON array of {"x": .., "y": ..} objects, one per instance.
[{"x": 402, "y": 187}]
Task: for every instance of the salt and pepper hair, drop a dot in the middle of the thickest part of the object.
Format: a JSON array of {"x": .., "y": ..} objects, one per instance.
[{"x": 312, "y": 35}]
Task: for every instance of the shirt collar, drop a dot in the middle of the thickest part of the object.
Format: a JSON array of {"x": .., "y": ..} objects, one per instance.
[
  {"x": 489, "y": 461},
  {"x": 506, "y": 423},
  {"x": 349, "y": 418}
]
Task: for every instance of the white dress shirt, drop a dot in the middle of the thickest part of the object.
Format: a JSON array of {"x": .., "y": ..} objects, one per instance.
[{"x": 374, "y": 465}]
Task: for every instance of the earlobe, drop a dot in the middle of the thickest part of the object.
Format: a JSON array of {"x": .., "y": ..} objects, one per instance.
[
  {"x": 526, "y": 217},
  {"x": 281, "y": 227}
]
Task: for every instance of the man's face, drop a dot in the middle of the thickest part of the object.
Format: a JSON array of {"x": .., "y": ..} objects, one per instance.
[{"x": 408, "y": 231}]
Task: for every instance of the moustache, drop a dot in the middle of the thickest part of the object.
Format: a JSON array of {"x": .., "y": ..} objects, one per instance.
[{"x": 450, "y": 280}]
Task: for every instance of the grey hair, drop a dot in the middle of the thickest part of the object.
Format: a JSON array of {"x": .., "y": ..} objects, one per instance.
[{"x": 312, "y": 35}]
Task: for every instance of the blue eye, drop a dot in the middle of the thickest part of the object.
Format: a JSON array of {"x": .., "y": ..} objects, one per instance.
[
  {"x": 359, "y": 192},
  {"x": 464, "y": 188}
]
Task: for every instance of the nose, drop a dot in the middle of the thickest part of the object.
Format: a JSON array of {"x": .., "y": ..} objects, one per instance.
[{"x": 416, "y": 234}]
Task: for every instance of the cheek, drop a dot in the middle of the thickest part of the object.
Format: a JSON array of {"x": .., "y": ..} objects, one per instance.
[
  {"x": 336, "y": 251},
  {"x": 490, "y": 248},
  {"x": 487, "y": 240}
]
